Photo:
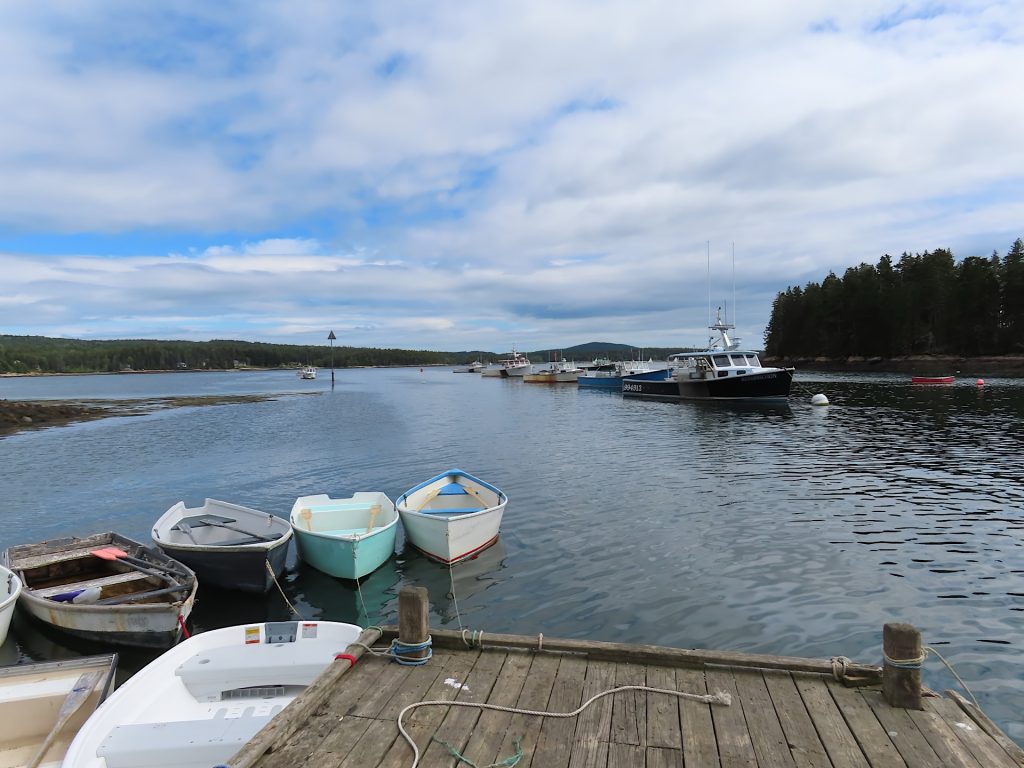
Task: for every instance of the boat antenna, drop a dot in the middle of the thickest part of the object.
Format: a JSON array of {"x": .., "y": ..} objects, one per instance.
[
  {"x": 709, "y": 282},
  {"x": 734, "y": 282}
]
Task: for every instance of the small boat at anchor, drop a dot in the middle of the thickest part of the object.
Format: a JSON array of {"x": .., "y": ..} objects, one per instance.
[
  {"x": 227, "y": 545},
  {"x": 474, "y": 367},
  {"x": 106, "y": 588},
  {"x": 200, "y": 702},
  {"x": 307, "y": 372},
  {"x": 452, "y": 517},
  {"x": 931, "y": 379},
  {"x": 43, "y": 706},
  {"x": 10, "y": 591},
  {"x": 610, "y": 375},
  {"x": 556, "y": 373},
  {"x": 345, "y": 538},
  {"x": 723, "y": 371}
]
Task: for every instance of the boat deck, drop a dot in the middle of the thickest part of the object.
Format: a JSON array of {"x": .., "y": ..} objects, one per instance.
[{"x": 781, "y": 714}]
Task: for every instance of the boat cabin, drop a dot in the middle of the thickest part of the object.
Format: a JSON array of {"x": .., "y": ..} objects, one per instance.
[{"x": 711, "y": 365}]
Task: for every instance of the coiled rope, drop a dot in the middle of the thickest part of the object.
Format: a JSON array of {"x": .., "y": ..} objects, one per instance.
[
  {"x": 918, "y": 662},
  {"x": 721, "y": 698}
]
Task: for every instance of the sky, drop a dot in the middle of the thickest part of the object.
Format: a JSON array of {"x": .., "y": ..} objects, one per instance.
[{"x": 478, "y": 176}]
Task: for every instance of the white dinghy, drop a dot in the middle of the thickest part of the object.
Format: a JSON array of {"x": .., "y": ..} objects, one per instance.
[
  {"x": 10, "y": 590},
  {"x": 197, "y": 704}
]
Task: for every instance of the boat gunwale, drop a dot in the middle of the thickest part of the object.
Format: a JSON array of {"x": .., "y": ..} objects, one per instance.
[
  {"x": 188, "y": 546},
  {"x": 16, "y": 593},
  {"x": 404, "y": 498}
]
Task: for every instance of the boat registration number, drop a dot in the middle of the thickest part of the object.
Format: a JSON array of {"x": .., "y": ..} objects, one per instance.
[{"x": 632, "y": 387}]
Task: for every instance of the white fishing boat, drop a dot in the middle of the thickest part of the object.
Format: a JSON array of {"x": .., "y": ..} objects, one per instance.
[
  {"x": 43, "y": 706},
  {"x": 474, "y": 367},
  {"x": 346, "y": 538},
  {"x": 515, "y": 365},
  {"x": 197, "y": 704},
  {"x": 227, "y": 545},
  {"x": 307, "y": 372},
  {"x": 452, "y": 517},
  {"x": 10, "y": 590},
  {"x": 105, "y": 587},
  {"x": 561, "y": 372}
]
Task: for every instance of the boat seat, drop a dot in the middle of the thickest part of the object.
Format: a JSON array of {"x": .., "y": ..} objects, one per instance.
[
  {"x": 340, "y": 507},
  {"x": 345, "y": 531},
  {"x": 209, "y": 673},
  {"x": 184, "y": 742},
  {"x": 450, "y": 510},
  {"x": 103, "y": 581}
]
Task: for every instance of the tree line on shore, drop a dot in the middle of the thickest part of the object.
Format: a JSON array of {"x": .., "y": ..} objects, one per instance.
[{"x": 922, "y": 303}]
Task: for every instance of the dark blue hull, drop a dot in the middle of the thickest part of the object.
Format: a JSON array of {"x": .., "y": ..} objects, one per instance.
[
  {"x": 615, "y": 382},
  {"x": 243, "y": 570}
]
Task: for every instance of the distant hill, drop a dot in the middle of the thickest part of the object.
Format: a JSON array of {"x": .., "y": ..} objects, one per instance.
[{"x": 595, "y": 349}]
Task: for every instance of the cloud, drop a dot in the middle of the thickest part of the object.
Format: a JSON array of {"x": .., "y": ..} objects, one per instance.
[{"x": 460, "y": 176}]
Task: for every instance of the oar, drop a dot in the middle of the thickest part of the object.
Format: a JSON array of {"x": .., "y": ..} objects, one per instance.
[
  {"x": 238, "y": 529},
  {"x": 307, "y": 518},
  {"x": 429, "y": 498},
  {"x": 374, "y": 511},
  {"x": 132, "y": 597},
  {"x": 114, "y": 554},
  {"x": 76, "y": 697},
  {"x": 187, "y": 530},
  {"x": 172, "y": 566}
]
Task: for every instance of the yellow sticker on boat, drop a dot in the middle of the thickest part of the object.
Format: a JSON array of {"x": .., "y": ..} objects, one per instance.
[
  {"x": 252, "y": 635},
  {"x": 309, "y": 631}
]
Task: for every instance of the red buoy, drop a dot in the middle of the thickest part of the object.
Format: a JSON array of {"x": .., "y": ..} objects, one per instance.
[{"x": 979, "y": 383}]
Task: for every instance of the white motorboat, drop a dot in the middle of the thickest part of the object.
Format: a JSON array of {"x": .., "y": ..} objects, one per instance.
[
  {"x": 197, "y": 704},
  {"x": 10, "y": 590},
  {"x": 227, "y": 545},
  {"x": 307, "y": 372},
  {"x": 43, "y": 706},
  {"x": 515, "y": 365},
  {"x": 474, "y": 367},
  {"x": 556, "y": 373},
  {"x": 452, "y": 517}
]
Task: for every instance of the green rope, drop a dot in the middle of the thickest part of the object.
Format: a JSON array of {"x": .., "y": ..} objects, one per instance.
[{"x": 508, "y": 762}]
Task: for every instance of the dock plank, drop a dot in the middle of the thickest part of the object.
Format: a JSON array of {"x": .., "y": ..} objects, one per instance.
[
  {"x": 536, "y": 695},
  {"x": 947, "y": 746},
  {"x": 835, "y": 734},
  {"x": 804, "y": 745},
  {"x": 980, "y": 745},
  {"x": 493, "y": 725},
  {"x": 873, "y": 739},
  {"x": 735, "y": 748},
  {"x": 343, "y": 736},
  {"x": 698, "y": 729},
  {"x": 913, "y": 747},
  {"x": 766, "y": 734},
  {"x": 626, "y": 756},
  {"x": 663, "y": 727},
  {"x": 593, "y": 725},
  {"x": 629, "y": 710},
  {"x": 554, "y": 746},
  {"x": 663, "y": 757}
]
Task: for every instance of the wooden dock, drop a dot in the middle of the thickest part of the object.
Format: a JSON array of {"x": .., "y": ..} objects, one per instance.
[{"x": 783, "y": 712}]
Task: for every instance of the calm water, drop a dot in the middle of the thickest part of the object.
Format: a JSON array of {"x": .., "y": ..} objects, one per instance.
[{"x": 790, "y": 530}]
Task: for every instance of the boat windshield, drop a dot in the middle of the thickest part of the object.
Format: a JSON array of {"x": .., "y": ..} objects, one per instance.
[{"x": 721, "y": 361}]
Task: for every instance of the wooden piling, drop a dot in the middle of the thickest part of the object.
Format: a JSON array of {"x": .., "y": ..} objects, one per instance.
[
  {"x": 901, "y": 686},
  {"x": 413, "y": 624}
]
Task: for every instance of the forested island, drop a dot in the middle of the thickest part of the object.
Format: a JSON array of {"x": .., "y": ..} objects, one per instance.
[{"x": 919, "y": 305}]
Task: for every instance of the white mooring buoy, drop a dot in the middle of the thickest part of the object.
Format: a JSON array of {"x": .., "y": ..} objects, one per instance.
[{"x": 819, "y": 399}]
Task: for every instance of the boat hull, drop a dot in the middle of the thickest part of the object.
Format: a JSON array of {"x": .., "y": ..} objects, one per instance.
[
  {"x": 10, "y": 590},
  {"x": 337, "y": 537},
  {"x": 452, "y": 517},
  {"x": 232, "y": 568},
  {"x": 31, "y": 696},
  {"x": 931, "y": 380},
  {"x": 769, "y": 385},
  {"x": 66, "y": 566},
  {"x": 615, "y": 382}
]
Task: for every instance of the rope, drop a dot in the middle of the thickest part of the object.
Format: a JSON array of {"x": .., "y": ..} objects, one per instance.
[
  {"x": 475, "y": 639},
  {"x": 918, "y": 661},
  {"x": 839, "y": 667},
  {"x": 278, "y": 584},
  {"x": 400, "y": 650},
  {"x": 508, "y": 762},
  {"x": 359, "y": 589},
  {"x": 721, "y": 698},
  {"x": 455, "y": 600}
]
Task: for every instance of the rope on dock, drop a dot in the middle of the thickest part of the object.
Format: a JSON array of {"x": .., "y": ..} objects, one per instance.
[
  {"x": 508, "y": 762},
  {"x": 917, "y": 663},
  {"x": 722, "y": 698},
  {"x": 278, "y": 585},
  {"x": 397, "y": 651}
]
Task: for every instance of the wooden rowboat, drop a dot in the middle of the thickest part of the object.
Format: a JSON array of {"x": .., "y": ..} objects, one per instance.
[
  {"x": 106, "y": 588},
  {"x": 452, "y": 517},
  {"x": 931, "y": 380},
  {"x": 43, "y": 705},
  {"x": 346, "y": 538},
  {"x": 227, "y": 545}
]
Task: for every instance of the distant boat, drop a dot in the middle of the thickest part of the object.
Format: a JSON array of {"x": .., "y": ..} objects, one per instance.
[
  {"x": 106, "y": 588},
  {"x": 611, "y": 375},
  {"x": 46, "y": 704},
  {"x": 474, "y": 367},
  {"x": 515, "y": 365},
  {"x": 723, "y": 371},
  {"x": 10, "y": 590},
  {"x": 200, "y": 702},
  {"x": 345, "y": 538},
  {"x": 556, "y": 373},
  {"x": 227, "y": 545},
  {"x": 931, "y": 380},
  {"x": 307, "y": 372},
  {"x": 452, "y": 517}
]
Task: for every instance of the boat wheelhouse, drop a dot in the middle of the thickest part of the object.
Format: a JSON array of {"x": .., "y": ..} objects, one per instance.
[{"x": 722, "y": 371}]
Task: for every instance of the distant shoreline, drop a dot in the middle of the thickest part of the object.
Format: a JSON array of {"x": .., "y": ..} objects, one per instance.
[{"x": 1011, "y": 366}]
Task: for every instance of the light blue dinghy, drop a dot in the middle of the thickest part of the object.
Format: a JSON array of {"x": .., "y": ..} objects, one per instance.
[{"x": 346, "y": 538}]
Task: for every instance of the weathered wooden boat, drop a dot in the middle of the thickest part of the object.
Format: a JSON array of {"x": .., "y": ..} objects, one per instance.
[
  {"x": 931, "y": 379},
  {"x": 452, "y": 517},
  {"x": 10, "y": 590},
  {"x": 227, "y": 545},
  {"x": 105, "y": 587},
  {"x": 197, "y": 704},
  {"x": 723, "y": 371},
  {"x": 43, "y": 706},
  {"x": 346, "y": 538}
]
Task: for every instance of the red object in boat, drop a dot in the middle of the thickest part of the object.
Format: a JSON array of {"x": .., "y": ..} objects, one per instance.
[{"x": 931, "y": 380}]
